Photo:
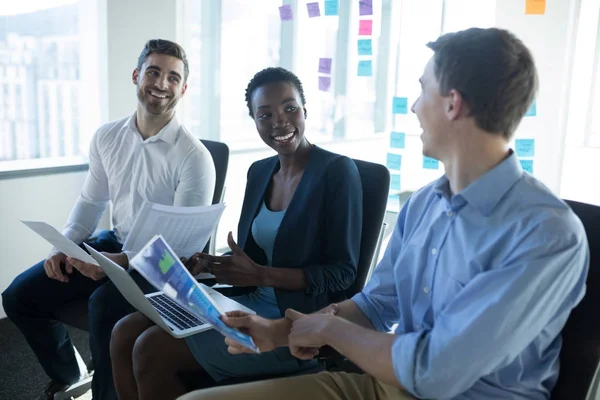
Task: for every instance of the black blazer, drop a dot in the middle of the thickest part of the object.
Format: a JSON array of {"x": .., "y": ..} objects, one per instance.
[{"x": 320, "y": 231}]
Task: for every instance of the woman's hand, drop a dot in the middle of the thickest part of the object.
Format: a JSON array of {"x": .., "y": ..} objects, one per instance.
[{"x": 237, "y": 269}]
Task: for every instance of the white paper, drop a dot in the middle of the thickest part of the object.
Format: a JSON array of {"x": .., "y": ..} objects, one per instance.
[
  {"x": 59, "y": 241},
  {"x": 186, "y": 229}
]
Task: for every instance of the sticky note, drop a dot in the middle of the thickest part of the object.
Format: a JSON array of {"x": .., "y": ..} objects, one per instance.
[
  {"x": 365, "y": 7},
  {"x": 400, "y": 105},
  {"x": 533, "y": 7},
  {"x": 365, "y": 47},
  {"x": 365, "y": 27},
  {"x": 285, "y": 12},
  {"x": 365, "y": 68},
  {"x": 397, "y": 140},
  {"x": 525, "y": 147},
  {"x": 325, "y": 65},
  {"x": 313, "y": 10},
  {"x": 430, "y": 163},
  {"x": 331, "y": 7},
  {"x": 324, "y": 83},
  {"x": 527, "y": 165},
  {"x": 394, "y": 161},
  {"x": 532, "y": 110},
  {"x": 395, "y": 182}
]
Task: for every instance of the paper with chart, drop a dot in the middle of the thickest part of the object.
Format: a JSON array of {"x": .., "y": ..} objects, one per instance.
[
  {"x": 58, "y": 240},
  {"x": 186, "y": 229},
  {"x": 160, "y": 265}
]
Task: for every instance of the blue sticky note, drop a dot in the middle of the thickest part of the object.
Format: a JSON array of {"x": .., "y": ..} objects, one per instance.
[
  {"x": 365, "y": 47},
  {"x": 430, "y": 163},
  {"x": 394, "y": 161},
  {"x": 527, "y": 165},
  {"x": 395, "y": 182},
  {"x": 331, "y": 7},
  {"x": 525, "y": 147},
  {"x": 532, "y": 110},
  {"x": 365, "y": 68},
  {"x": 400, "y": 105},
  {"x": 397, "y": 140}
]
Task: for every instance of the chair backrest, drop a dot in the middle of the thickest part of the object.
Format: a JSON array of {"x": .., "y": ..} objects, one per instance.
[
  {"x": 220, "y": 155},
  {"x": 580, "y": 351},
  {"x": 376, "y": 184}
]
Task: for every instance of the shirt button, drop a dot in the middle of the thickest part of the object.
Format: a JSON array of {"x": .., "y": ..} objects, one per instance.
[
  {"x": 426, "y": 289},
  {"x": 449, "y": 213},
  {"x": 434, "y": 251}
]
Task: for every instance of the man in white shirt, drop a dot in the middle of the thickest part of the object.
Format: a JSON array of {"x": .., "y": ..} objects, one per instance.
[{"x": 146, "y": 156}]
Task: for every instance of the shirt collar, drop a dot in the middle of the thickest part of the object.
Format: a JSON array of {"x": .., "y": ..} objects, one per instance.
[
  {"x": 485, "y": 192},
  {"x": 167, "y": 134}
]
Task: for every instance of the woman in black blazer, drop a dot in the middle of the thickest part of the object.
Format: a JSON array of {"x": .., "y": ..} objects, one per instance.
[{"x": 298, "y": 247}]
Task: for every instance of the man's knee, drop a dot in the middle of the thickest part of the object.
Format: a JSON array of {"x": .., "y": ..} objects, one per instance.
[
  {"x": 104, "y": 310},
  {"x": 14, "y": 296}
]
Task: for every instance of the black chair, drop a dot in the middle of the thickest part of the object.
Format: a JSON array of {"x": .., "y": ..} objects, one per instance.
[
  {"x": 375, "y": 180},
  {"x": 580, "y": 351}
]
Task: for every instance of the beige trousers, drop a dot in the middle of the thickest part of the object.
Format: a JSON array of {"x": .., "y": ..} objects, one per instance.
[{"x": 322, "y": 386}]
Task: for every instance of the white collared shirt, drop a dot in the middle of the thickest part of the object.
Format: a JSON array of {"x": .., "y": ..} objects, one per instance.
[{"x": 171, "y": 168}]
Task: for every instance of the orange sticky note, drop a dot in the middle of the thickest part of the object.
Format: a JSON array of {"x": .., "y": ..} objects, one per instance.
[{"x": 535, "y": 7}]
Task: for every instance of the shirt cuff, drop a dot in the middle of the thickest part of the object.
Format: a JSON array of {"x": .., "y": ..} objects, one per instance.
[
  {"x": 404, "y": 352},
  {"x": 363, "y": 304}
]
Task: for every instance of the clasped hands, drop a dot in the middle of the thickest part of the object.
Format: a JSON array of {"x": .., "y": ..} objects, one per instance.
[
  {"x": 236, "y": 269},
  {"x": 305, "y": 334}
]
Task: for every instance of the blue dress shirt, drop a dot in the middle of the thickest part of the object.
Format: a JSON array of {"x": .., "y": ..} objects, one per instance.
[{"x": 483, "y": 282}]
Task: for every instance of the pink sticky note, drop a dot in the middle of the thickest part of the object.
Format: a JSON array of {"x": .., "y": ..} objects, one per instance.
[
  {"x": 313, "y": 10},
  {"x": 325, "y": 65},
  {"x": 324, "y": 83},
  {"x": 285, "y": 12},
  {"x": 365, "y": 27}
]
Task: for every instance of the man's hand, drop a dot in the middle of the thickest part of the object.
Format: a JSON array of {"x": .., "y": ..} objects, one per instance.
[
  {"x": 267, "y": 334},
  {"x": 237, "y": 269},
  {"x": 95, "y": 272},
  {"x": 307, "y": 333},
  {"x": 195, "y": 263},
  {"x": 52, "y": 266}
]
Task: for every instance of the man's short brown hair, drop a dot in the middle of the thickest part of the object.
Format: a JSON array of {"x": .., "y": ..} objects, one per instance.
[
  {"x": 492, "y": 70},
  {"x": 166, "y": 47}
]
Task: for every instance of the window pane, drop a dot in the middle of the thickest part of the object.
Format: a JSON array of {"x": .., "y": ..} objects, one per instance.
[{"x": 39, "y": 81}]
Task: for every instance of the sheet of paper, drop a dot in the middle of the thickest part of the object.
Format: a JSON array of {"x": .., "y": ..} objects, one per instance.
[
  {"x": 365, "y": 47},
  {"x": 325, "y": 65},
  {"x": 188, "y": 229},
  {"x": 285, "y": 12},
  {"x": 397, "y": 140},
  {"x": 533, "y": 7},
  {"x": 365, "y": 27},
  {"x": 331, "y": 7},
  {"x": 313, "y": 10},
  {"x": 324, "y": 83},
  {"x": 59, "y": 241},
  {"x": 400, "y": 105},
  {"x": 160, "y": 265},
  {"x": 365, "y": 68}
]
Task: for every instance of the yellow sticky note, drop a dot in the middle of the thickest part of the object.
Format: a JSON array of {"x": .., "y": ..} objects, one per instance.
[{"x": 535, "y": 7}]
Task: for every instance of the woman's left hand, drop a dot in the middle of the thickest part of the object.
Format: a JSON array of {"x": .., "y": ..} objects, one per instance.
[{"x": 237, "y": 269}]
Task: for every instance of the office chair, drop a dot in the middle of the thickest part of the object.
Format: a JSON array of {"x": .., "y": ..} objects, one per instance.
[
  {"x": 75, "y": 314},
  {"x": 375, "y": 180},
  {"x": 580, "y": 351}
]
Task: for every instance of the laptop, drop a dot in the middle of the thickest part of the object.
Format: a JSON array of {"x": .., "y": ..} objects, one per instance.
[{"x": 161, "y": 309}]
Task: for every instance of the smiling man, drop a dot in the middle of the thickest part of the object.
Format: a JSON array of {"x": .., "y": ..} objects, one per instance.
[
  {"x": 483, "y": 268},
  {"x": 148, "y": 156}
]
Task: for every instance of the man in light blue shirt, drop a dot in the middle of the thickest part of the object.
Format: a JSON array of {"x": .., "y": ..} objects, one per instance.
[{"x": 483, "y": 268}]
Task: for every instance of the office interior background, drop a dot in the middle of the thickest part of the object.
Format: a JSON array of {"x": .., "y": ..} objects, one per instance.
[{"x": 65, "y": 69}]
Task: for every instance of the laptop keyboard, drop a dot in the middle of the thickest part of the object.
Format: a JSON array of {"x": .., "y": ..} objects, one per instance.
[{"x": 174, "y": 313}]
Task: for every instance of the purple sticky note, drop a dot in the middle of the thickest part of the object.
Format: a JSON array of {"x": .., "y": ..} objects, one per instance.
[
  {"x": 365, "y": 27},
  {"x": 325, "y": 65},
  {"x": 366, "y": 7},
  {"x": 285, "y": 12},
  {"x": 324, "y": 83},
  {"x": 313, "y": 10}
]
